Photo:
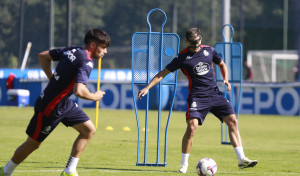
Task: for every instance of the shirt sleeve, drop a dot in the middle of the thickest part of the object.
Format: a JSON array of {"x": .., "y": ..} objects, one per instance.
[
  {"x": 174, "y": 65},
  {"x": 83, "y": 73},
  {"x": 216, "y": 57},
  {"x": 56, "y": 53}
]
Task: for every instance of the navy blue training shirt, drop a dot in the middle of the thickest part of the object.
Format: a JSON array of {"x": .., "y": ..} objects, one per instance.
[
  {"x": 198, "y": 68},
  {"x": 75, "y": 66}
]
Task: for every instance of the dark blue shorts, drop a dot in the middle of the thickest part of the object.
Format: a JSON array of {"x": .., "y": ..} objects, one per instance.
[
  {"x": 198, "y": 107},
  {"x": 41, "y": 126}
]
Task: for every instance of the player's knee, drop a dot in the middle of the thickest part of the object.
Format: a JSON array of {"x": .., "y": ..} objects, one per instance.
[
  {"x": 232, "y": 121},
  {"x": 91, "y": 132},
  {"x": 191, "y": 130},
  {"x": 32, "y": 145},
  {"x": 37, "y": 146}
]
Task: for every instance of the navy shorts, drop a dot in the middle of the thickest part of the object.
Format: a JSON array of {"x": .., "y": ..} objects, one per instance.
[
  {"x": 41, "y": 126},
  {"x": 198, "y": 107}
]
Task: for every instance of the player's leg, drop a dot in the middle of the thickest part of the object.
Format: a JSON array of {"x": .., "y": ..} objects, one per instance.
[
  {"x": 73, "y": 116},
  {"x": 187, "y": 142},
  {"x": 21, "y": 153},
  {"x": 222, "y": 109},
  {"x": 86, "y": 132},
  {"x": 38, "y": 129},
  {"x": 236, "y": 141},
  {"x": 24, "y": 150},
  {"x": 234, "y": 134},
  {"x": 197, "y": 109}
]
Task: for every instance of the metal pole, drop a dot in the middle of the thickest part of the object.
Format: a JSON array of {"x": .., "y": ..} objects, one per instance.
[
  {"x": 194, "y": 13},
  {"x": 242, "y": 19},
  {"x": 213, "y": 22},
  {"x": 69, "y": 23},
  {"x": 21, "y": 32},
  {"x": 297, "y": 34},
  {"x": 226, "y": 18},
  {"x": 51, "y": 23},
  {"x": 285, "y": 24},
  {"x": 174, "y": 21}
]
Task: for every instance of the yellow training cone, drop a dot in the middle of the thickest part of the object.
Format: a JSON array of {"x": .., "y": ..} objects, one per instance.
[
  {"x": 109, "y": 128},
  {"x": 126, "y": 129},
  {"x": 144, "y": 129}
]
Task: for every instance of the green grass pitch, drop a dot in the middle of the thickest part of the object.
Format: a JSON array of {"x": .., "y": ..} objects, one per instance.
[{"x": 273, "y": 140}]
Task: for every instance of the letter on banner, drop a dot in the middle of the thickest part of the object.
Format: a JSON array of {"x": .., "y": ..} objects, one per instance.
[
  {"x": 279, "y": 101},
  {"x": 247, "y": 101},
  {"x": 259, "y": 104},
  {"x": 115, "y": 98},
  {"x": 126, "y": 89}
]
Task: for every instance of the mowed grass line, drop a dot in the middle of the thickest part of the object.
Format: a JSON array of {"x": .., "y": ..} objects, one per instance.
[{"x": 273, "y": 140}]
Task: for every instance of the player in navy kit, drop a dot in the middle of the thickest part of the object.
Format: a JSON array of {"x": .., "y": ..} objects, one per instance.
[
  {"x": 196, "y": 62},
  {"x": 54, "y": 106}
]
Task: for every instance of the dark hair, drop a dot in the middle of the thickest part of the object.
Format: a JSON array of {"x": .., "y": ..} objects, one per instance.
[
  {"x": 192, "y": 33},
  {"x": 97, "y": 35}
]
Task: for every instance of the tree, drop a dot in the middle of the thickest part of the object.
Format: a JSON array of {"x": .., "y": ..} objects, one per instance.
[{"x": 9, "y": 22}]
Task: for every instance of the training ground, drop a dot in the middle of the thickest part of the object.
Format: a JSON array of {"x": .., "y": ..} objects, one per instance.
[{"x": 273, "y": 140}]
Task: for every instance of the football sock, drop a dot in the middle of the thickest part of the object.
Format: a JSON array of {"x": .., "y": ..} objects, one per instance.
[
  {"x": 185, "y": 158},
  {"x": 9, "y": 168},
  {"x": 239, "y": 153},
  {"x": 71, "y": 165}
]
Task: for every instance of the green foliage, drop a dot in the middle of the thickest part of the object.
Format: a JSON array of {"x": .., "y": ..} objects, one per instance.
[
  {"x": 263, "y": 21},
  {"x": 272, "y": 140}
]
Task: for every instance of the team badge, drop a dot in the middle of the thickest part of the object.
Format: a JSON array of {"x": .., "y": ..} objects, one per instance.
[
  {"x": 205, "y": 53},
  {"x": 193, "y": 106}
]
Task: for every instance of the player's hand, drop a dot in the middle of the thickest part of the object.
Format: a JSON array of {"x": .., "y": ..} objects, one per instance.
[
  {"x": 142, "y": 93},
  {"x": 227, "y": 84},
  {"x": 99, "y": 95}
]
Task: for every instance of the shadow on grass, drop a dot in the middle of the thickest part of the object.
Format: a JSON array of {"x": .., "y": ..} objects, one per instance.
[
  {"x": 126, "y": 170},
  {"x": 60, "y": 167}
]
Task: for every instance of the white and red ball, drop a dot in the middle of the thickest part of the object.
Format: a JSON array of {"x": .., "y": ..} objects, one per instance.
[{"x": 206, "y": 167}]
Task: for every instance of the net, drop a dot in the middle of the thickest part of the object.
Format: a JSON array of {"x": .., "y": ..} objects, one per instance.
[{"x": 273, "y": 66}]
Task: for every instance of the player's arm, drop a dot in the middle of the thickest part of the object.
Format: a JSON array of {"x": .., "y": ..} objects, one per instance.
[
  {"x": 156, "y": 79},
  {"x": 45, "y": 62},
  {"x": 224, "y": 73},
  {"x": 81, "y": 91}
]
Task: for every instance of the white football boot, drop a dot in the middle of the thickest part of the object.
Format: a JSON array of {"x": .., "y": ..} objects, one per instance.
[
  {"x": 245, "y": 163},
  {"x": 183, "y": 169}
]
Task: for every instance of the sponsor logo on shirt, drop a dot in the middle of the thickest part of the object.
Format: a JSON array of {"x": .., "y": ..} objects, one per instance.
[
  {"x": 70, "y": 54},
  {"x": 201, "y": 68},
  {"x": 90, "y": 64}
]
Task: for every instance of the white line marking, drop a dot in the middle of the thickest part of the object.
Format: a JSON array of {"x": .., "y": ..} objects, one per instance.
[{"x": 145, "y": 171}]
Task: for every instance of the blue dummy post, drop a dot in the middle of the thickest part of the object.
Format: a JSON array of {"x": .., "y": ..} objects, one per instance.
[
  {"x": 151, "y": 52},
  {"x": 232, "y": 54}
]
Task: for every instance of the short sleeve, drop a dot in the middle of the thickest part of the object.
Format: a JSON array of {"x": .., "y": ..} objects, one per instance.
[
  {"x": 174, "y": 65},
  {"x": 56, "y": 54},
  {"x": 216, "y": 57},
  {"x": 83, "y": 73}
]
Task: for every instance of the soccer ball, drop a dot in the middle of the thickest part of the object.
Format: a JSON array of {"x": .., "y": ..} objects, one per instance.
[{"x": 206, "y": 167}]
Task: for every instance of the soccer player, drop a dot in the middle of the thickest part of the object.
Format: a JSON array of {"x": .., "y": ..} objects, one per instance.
[
  {"x": 196, "y": 62},
  {"x": 54, "y": 106}
]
